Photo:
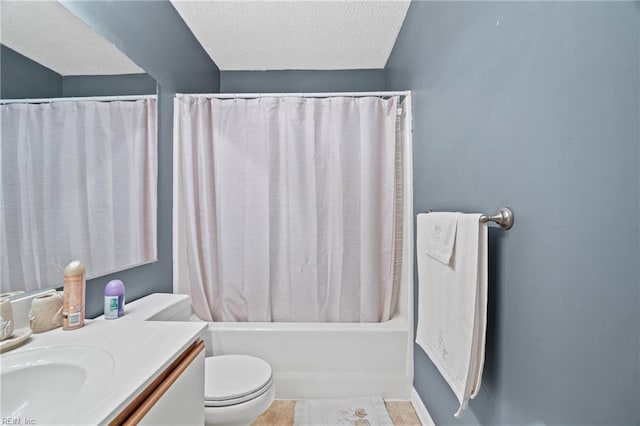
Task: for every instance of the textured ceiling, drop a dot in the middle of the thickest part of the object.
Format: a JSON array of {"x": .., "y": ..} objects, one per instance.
[
  {"x": 237, "y": 34},
  {"x": 295, "y": 35},
  {"x": 46, "y": 32}
]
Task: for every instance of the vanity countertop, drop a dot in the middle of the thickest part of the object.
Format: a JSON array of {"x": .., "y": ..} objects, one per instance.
[{"x": 140, "y": 352}]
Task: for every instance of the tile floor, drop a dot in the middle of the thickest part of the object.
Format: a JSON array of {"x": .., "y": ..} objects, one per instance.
[{"x": 281, "y": 414}]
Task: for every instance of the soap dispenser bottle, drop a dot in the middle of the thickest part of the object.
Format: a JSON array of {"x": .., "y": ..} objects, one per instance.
[{"x": 74, "y": 296}]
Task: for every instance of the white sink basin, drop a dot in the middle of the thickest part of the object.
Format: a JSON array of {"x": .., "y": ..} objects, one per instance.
[{"x": 37, "y": 384}]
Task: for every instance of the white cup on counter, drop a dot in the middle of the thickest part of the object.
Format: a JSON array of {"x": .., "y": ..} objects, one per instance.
[{"x": 6, "y": 319}]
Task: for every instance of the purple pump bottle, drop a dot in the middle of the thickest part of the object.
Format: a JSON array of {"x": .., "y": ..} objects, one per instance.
[{"x": 114, "y": 299}]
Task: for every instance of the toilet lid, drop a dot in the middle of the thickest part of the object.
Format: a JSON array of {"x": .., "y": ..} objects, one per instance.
[{"x": 232, "y": 378}]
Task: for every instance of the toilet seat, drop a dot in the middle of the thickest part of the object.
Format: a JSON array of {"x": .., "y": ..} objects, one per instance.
[{"x": 234, "y": 379}]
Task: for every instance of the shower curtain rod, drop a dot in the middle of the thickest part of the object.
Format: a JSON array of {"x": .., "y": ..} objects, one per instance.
[
  {"x": 87, "y": 98},
  {"x": 284, "y": 95}
]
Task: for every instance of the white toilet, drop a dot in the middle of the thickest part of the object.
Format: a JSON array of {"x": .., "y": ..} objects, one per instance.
[{"x": 237, "y": 388}]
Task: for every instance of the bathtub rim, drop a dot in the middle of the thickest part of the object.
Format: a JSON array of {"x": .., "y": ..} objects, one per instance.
[{"x": 396, "y": 324}]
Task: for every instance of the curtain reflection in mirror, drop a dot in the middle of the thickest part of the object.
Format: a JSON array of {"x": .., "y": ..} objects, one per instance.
[{"x": 78, "y": 181}]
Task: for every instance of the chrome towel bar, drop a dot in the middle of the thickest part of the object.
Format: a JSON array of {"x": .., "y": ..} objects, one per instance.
[{"x": 504, "y": 218}]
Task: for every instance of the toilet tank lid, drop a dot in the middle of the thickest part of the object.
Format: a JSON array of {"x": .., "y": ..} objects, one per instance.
[{"x": 156, "y": 307}]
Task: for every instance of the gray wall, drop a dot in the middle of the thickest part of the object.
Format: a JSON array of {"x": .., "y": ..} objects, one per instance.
[
  {"x": 536, "y": 106},
  {"x": 301, "y": 81},
  {"x": 20, "y": 77},
  {"x": 154, "y": 36},
  {"x": 108, "y": 85}
]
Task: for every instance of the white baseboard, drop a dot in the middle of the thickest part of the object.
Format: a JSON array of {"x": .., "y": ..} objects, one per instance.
[{"x": 421, "y": 410}]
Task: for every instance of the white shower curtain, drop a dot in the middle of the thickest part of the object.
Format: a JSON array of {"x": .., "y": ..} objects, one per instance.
[
  {"x": 78, "y": 181},
  {"x": 285, "y": 207}
]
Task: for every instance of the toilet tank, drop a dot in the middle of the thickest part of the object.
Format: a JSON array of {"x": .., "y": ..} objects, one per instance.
[{"x": 159, "y": 307}]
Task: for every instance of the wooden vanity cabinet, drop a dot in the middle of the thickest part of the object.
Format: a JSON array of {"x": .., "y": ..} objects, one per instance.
[{"x": 176, "y": 397}]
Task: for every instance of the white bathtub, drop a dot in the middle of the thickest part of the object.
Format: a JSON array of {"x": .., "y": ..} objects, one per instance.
[
  {"x": 325, "y": 360},
  {"x": 309, "y": 360}
]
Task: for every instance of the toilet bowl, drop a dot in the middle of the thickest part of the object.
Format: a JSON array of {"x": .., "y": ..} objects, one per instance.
[{"x": 238, "y": 388}]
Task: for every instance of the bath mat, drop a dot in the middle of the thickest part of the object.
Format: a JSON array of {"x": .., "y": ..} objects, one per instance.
[{"x": 339, "y": 412}]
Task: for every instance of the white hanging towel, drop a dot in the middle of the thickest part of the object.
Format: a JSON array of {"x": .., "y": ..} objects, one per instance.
[
  {"x": 440, "y": 230},
  {"x": 452, "y": 302}
]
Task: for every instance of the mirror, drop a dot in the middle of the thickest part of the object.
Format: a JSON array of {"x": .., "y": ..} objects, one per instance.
[{"x": 47, "y": 52}]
